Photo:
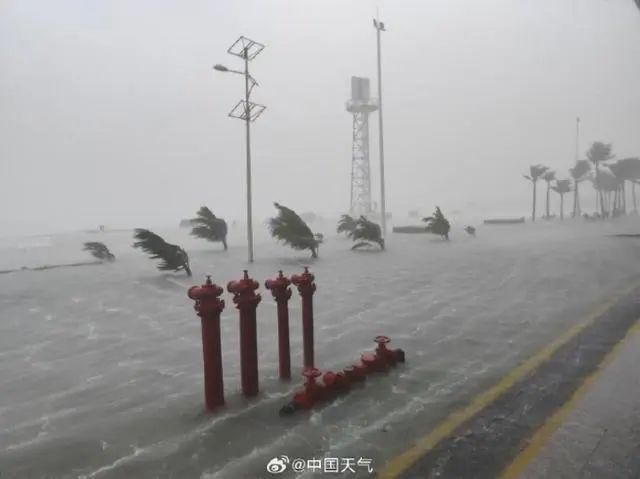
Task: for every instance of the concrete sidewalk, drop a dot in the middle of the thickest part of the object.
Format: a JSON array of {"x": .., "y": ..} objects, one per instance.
[{"x": 600, "y": 438}]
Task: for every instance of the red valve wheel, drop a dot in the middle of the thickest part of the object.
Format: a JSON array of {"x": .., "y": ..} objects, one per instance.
[
  {"x": 311, "y": 373},
  {"x": 382, "y": 339}
]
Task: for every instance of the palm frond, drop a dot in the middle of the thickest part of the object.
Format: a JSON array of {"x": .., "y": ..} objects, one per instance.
[
  {"x": 535, "y": 172},
  {"x": 366, "y": 232},
  {"x": 172, "y": 257},
  {"x": 289, "y": 228},
  {"x": 99, "y": 250},
  {"x": 580, "y": 170},
  {"x": 346, "y": 224},
  {"x": 207, "y": 226},
  {"x": 562, "y": 186},
  {"x": 599, "y": 152},
  {"x": 549, "y": 176}
]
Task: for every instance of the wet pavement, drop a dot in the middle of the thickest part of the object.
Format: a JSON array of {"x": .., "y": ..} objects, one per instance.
[
  {"x": 600, "y": 437},
  {"x": 483, "y": 445}
]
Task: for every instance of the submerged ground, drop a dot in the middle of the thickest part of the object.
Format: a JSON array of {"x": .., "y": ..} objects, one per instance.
[{"x": 101, "y": 366}]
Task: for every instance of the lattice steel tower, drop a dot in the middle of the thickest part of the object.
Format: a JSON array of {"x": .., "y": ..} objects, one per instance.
[{"x": 360, "y": 105}]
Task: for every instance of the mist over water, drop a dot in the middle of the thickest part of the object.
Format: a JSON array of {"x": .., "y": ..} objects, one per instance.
[
  {"x": 101, "y": 367},
  {"x": 112, "y": 114}
]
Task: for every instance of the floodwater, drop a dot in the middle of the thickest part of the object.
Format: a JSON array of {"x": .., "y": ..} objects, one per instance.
[{"x": 101, "y": 365}]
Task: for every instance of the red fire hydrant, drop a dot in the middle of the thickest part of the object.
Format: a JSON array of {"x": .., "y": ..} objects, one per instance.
[
  {"x": 306, "y": 288},
  {"x": 209, "y": 306},
  {"x": 281, "y": 292},
  {"x": 246, "y": 301}
]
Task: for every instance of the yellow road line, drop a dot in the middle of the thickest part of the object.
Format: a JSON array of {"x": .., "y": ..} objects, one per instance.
[
  {"x": 546, "y": 431},
  {"x": 404, "y": 461}
]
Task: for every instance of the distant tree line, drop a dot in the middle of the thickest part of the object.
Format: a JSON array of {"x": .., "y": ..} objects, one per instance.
[{"x": 608, "y": 176}]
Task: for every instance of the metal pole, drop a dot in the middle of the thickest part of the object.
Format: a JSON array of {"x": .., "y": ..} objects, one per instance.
[
  {"x": 248, "y": 127},
  {"x": 576, "y": 196},
  {"x": 383, "y": 209},
  {"x": 577, "y": 137}
]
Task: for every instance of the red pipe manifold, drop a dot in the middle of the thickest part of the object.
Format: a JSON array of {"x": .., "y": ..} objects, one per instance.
[{"x": 334, "y": 384}]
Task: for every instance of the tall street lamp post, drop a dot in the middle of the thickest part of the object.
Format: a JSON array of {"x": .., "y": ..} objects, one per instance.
[
  {"x": 246, "y": 110},
  {"x": 379, "y": 26}
]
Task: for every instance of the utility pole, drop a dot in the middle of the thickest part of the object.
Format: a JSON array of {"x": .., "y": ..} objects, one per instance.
[
  {"x": 246, "y": 49},
  {"x": 379, "y": 26},
  {"x": 577, "y": 137},
  {"x": 247, "y": 117}
]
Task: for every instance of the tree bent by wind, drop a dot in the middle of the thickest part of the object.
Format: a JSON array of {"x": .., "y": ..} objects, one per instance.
[
  {"x": 578, "y": 173},
  {"x": 346, "y": 224},
  {"x": 438, "y": 224},
  {"x": 208, "y": 226},
  {"x": 597, "y": 154},
  {"x": 99, "y": 250},
  {"x": 172, "y": 257},
  {"x": 366, "y": 233},
  {"x": 548, "y": 177},
  {"x": 290, "y": 229},
  {"x": 562, "y": 187},
  {"x": 535, "y": 172}
]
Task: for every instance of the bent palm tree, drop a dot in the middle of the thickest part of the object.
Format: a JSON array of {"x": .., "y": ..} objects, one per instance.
[
  {"x": 171, "y": 256},
  {"x": 605, "y": 183},
  {"x": 631, "y": 169},
  {"x": 535, "y": 172},
  {"x": 99, "y": 250},
  {"x": 619, "y": 203},
  {"x": 346, "y": 224},
  {"x": 548, "y": 176},
  {"x": 561, "y": 187},
  {"x": 597, "y": 154},
  {"x": 207, "y": 226},
  {"x": 289, "y": 228},
  {"x": 438, "y": 224},
  {"x": 627, "y": 169},
  {"x": 365, "y": 233},
  {"x": 578, "y": 173}
]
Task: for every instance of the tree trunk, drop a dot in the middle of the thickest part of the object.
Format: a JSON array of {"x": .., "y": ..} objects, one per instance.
[
  {"x": 561, "y": 206},
  {"x": 602, "y": 209},
  {"x": 533, "y": 211},
  {"x": 576, "y": 202},
  {"x": 633, "y": 194},
  {"x": 548, "y": 190}
]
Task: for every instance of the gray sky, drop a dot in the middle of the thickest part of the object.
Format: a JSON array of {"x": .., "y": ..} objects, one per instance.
[{"x": 111, "y": 114}]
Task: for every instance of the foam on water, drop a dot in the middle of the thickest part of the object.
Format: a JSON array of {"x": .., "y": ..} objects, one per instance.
[{"x": 108, "y": 359}]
